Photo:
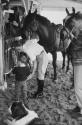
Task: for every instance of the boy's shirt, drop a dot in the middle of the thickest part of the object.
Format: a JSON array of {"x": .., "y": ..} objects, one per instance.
[{"x": 21, "y": 73}]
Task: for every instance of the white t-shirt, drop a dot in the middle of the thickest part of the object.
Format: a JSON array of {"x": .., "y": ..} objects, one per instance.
[{"x": 32, "y": 48}]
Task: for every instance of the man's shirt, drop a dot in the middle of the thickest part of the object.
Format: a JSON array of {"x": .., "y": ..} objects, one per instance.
[{"x": 32, "y": 48}]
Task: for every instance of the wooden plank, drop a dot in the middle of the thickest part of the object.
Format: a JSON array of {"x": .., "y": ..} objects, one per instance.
[
  {"x": 1, "y": 48},
  {"x": 26, "y": 5}
]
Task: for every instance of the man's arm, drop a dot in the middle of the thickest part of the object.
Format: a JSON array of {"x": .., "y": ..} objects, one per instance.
[{"x": 33, "y": 70}]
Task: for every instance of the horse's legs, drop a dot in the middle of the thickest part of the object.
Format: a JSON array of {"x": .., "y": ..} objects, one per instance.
[
  {"x": 54, "y": 54},
  {"x": 63, "y": 54}
]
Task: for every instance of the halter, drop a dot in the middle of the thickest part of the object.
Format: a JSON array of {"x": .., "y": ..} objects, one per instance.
[
  {"x": 64, "y": 43},
  {"x": 71, "y": 35},
  {"x": 70, "y": 32}
]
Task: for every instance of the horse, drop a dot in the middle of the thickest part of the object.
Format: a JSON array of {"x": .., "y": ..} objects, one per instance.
[
  {"x": 73, "y": 25},
  {"x": 46, "y": 31},
  {"x": 64, "y": 36}
]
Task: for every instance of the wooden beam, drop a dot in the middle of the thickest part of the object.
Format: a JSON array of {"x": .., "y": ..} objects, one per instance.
[
  {"x": 1, "y": 48},
  {"x": 26, "y": 5}
]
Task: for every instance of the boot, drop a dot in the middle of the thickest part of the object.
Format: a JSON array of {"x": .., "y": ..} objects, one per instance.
[{"x": 39, "y": 92}]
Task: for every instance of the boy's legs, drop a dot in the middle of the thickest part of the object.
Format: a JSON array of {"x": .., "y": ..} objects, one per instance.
[
  {"x": 24, "y": 92},
  {"x": 17, "y": 90}
]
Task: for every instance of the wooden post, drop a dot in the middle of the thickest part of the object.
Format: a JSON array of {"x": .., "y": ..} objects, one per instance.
[
  {"x": 1, "y": 48},
  {"x": 26, "y": 5}
]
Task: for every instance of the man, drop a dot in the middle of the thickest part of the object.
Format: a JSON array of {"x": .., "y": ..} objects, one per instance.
[
  {"x": 39, "y": 58},
  {"x": 76, "y": 54}
]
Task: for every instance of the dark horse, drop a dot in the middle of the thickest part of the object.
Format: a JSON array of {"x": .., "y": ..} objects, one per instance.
[
  {"x": 73, "y": 25},
  {"x": 47, "y": 32},
  {"x": 64, "y": 36}
]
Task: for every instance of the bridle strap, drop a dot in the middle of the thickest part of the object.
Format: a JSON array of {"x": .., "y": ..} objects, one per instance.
[
  {"x": 71, "y": 35},
  {"x": 68, "y": 38}
]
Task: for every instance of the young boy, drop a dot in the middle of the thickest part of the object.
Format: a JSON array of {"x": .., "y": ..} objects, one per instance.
[{"x": 21, "y": 71}]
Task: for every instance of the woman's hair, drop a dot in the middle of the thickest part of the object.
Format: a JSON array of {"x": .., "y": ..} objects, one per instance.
[{"x": 21, "y": 55}]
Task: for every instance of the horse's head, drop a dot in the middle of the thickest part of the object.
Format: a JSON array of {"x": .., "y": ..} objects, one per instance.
[
  {"x": 36, "y": 23},
  {"x": 73, "y": 21},
  {"x": 30, "y": 21},
  {"x": 64, "y": 39},
  {"x": 42, "y": 26},
  {"x": 63, "y": 34},
  {"x": 68, "y": 21}
]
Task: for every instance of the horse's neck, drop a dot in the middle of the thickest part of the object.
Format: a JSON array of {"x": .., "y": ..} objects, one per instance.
[{"x": 45, "y": 32}]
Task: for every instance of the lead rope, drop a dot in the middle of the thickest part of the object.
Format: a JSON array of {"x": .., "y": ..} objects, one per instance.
[{"x": 70, "y": 37}]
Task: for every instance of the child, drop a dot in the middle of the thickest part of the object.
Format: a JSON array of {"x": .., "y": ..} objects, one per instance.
[{"x": 21, "y": 71}]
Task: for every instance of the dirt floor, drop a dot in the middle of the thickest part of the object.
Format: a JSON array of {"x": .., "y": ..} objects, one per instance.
[{"x": 58, "y": 96}]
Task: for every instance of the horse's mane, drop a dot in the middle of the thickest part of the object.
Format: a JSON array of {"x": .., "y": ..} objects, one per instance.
[
  {"x": 43, "y": 19},
  {"x": 40, "y": 18}
]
